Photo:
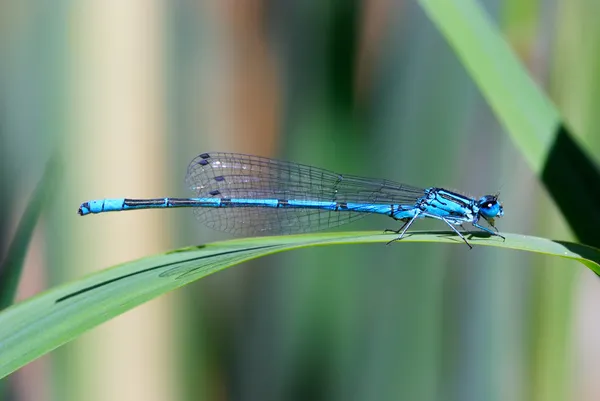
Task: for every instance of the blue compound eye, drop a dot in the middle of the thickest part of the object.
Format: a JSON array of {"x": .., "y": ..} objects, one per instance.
[{"x": 490, "y": 208}]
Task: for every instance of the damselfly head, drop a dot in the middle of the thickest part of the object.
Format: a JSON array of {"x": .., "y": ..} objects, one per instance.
[{"x": 490, "y": 208}]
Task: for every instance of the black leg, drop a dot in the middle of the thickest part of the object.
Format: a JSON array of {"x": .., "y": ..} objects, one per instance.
[
  {"x": 491, "y": 224},
  {"x": 389, "y": 230}
]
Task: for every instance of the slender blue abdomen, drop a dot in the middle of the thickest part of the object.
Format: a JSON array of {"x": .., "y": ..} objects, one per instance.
[{"x": 120, "y": 204}]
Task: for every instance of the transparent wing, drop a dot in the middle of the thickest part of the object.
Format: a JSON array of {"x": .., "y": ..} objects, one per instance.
[{"x": 230, "y": 175}]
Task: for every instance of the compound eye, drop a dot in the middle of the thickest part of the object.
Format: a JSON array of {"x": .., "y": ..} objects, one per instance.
[{"x": 489, "y": 207}]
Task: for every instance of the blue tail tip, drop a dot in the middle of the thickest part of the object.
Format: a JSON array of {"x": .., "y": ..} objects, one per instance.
[{"x": 84, "y": 209}]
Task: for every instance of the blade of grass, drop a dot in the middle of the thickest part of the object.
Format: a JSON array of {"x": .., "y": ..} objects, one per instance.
[
  {"x": 12, "y": 266},
  {"x": 34, "y": 327},
  {"x": 529, "y": 116},
  {"x": 532, "y": 120}
]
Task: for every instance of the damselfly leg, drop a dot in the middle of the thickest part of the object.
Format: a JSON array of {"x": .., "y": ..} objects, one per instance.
[
  {"x": 487, "y": 230},
  {"x": 391, "y": 230},
  {"x": 405, "y": 227}
]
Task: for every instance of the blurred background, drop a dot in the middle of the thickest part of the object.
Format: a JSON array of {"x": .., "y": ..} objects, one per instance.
[{"x": 127, "y": 93}]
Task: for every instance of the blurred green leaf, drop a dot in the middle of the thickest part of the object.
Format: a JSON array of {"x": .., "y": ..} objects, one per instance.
[
  {"x": 531, "y": 119},
  {"x": 12, "y": 265},
  {"x": 34, "y": 327},
  {"x": 529, "y": 116}
]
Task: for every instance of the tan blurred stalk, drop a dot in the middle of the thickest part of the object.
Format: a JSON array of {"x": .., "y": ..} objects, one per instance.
[
  {"x": 375, "y": 21},
  {"x": 247, "y": 93},
  {"x": 117, "y": 147}
]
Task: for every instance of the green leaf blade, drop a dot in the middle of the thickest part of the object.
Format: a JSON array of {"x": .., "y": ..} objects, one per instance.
[
  {"x": 527, "y": 113},
  {"x": 43, "y": 323}
]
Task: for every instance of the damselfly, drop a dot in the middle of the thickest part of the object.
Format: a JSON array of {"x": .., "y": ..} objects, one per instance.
[{"x": 251, "y": 195}]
